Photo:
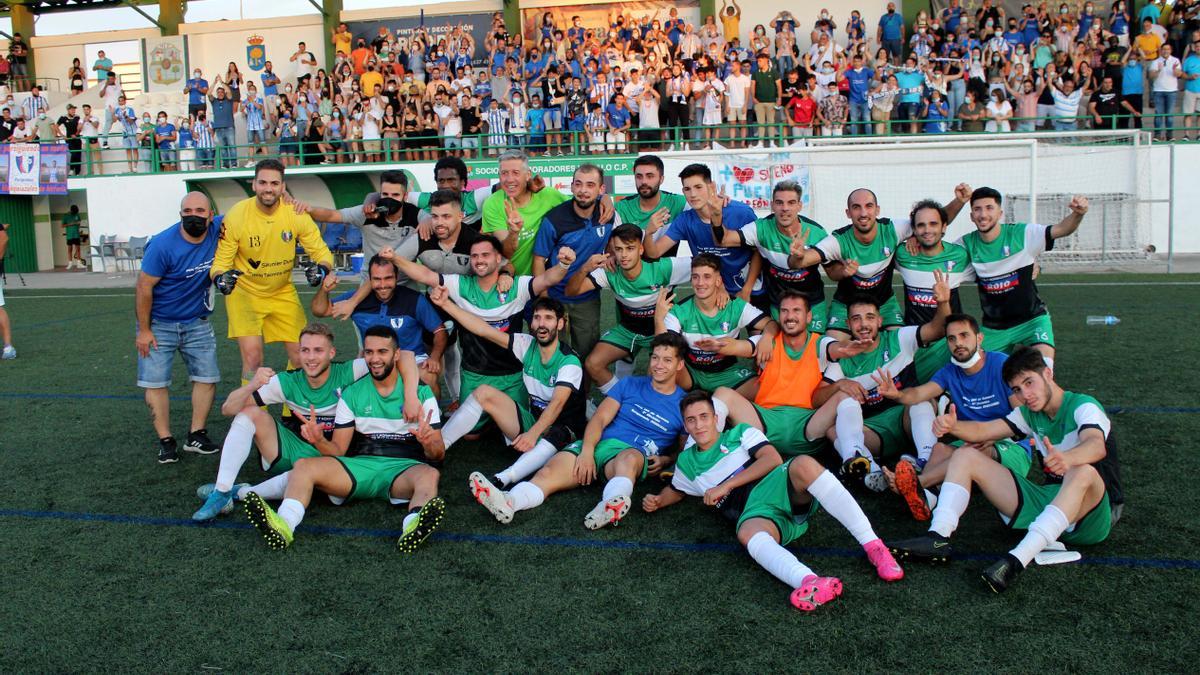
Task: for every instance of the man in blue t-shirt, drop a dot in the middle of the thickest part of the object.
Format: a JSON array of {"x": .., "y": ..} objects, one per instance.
[
  {"x": 695, "y": 226},
  {"x": 634, "y": 433},
  {"x": 890, "y": 34},
  {"x": 912, "y": 83},
  {"x": 407, "y": 313},
  {"x": 196, "y": 88},
  {"x": 576, "y": 225},
  {"x": 859, "y": 77},
  {"x": 165, "y": 136},
  {"x": 173, "y": 300},
  {"x": 974, "y": 383}
]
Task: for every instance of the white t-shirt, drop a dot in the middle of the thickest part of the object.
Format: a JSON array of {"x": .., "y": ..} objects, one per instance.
[
  {"x": 736, "y": 86},
  {"x": 111, "y": 95},
  {"x": 712, "y": 95},
  {"x": 633, "y": 92},
  {"x": 89, "y": 127},
  {"x": 649, "y": 117},
  {"x": 1003, "y": 108},
  {"x": 1166, "y": 80},
  {"x": 370, "y": 126}
]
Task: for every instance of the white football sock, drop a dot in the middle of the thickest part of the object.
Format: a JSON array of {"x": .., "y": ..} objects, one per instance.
[
  {"x": 525, "y": 496},
  {"x": 849, "y": 426},
  {"x": 618, "y": 486},
  {"x": 722, "y": 412},
  {"x": 272, "y": 488},
  {"x": 952, "y": 503},
  {"x": 607, "y": 386},
  {"x": 921, "y": 416},
  {"x": 234, "y": 451},
  {"x": 528, "y": 462},
  {"x": 931, "y": 499},
  {"x": 777, "y": 560},
  {"x": 835, "y": 499},
  {"x": 452, "y": 369},
  {"x": 1046, "y": 528},
  {"x": 1049, "y": 362},
  {"x": 292, "y": 513},
  {"x": 462, "y": 421}
]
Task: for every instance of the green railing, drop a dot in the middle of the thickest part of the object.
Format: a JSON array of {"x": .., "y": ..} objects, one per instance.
[{"x": 144, "y": 159}]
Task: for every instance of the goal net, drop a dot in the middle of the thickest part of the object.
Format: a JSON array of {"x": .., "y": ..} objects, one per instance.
[{"x": 1036, "y": 174}]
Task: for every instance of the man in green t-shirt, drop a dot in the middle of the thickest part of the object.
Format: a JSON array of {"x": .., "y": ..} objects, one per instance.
[
  {"x": 766, "y": 90},
  {"x": 1080, "y": 498},
  {"x": 514, "y": 212},
  {"x": 651, "y": 199},
  {"x": 375, "y": 452},
  {"x": 70, "y": 226}
]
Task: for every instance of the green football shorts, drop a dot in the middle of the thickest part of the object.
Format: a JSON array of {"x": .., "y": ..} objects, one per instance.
[
  {"x": 890, "y": 311},
  {"x": 771, "y": 499},
  {"x": 512, "y": 384},
  {"x": 732, "y": 377},
  {"x": 889, "y": 426},
  {"x": 1036, "y": 331},
  {"x": 372, "y": 477},
  {"x": 784, "y": 427},
  {"x": 292, "y": 449},
  {"x": 606, "y": 450},
  {"x": 1032, "y": 499},
  {"x": 622, "y": 338}
]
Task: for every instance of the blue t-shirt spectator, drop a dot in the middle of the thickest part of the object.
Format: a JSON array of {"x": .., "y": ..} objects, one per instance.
[
  {"x": 270, "y": 83},
  {"x": 616, "y": 115},
  {"x": 194, "y": 87},
  {"x": 184, "y": 291},
  {"x": 1191, "y": 66},
  {"x": 185, "y": 139},
  {"x": 910, "y": 84},
  {"x": 222, "y": 113},
  {"x": 735, "y": 262},
  {"x": 164, "y": 130},
  {"x": 537, "y": 121},
  {"x": 891, "y": 25},
  {"x": 408, "y": 313},
  {"x": 1131, "y": 78},
  {"x": 1151, "y": 12},
  {"x": 860, "y": 81},
  {"x": 562, "y": 226},
  {"x": 952, "y": 17}
]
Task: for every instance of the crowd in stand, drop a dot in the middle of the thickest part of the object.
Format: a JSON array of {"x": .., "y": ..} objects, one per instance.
[{"x": 656, "y": 81}]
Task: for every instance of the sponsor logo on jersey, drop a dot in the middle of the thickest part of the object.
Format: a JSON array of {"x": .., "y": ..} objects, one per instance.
[
  {"x": 1001, "y": 284},
  {"x": 921, "y": 296},
  {"x": 286, "y": 235},
  {"x": 869, "y": 282},
  {"x": 254, "y": 263},
  {"x": 788, "y": 275}
]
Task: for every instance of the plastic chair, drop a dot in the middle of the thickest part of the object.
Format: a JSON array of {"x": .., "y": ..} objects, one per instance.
[{"x": 131, "y": 252}]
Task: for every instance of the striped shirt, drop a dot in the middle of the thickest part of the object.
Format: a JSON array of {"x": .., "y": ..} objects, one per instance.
[
  {"x": 254, "y": 114},
  {"x": 601, "y": 92},
  {"x": 34, "y": 106},
  {"x": 1066, "y": 105},
  {"x": 596, "y": 120},
  {"x": 497, "y": 120},
  {"x": 203, "y": 135}
]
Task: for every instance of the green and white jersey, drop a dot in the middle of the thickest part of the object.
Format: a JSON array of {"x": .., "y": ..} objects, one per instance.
[
  {"x": 563, "y": 369},
  {"x": 378, "y": 421},
  {"x": 874, "y": 275},
  {"x": 1078, "y": 412},
  {"x": 697, "y": 471},
  {"x": 637, "y": 297},
  {"x": 472, "y": 203},
  {"x": 630, "y": 208},
  {"x": 1004, "y": 272},
  {"x": 775, "y": 247},
  {"x": 291, "y": 387},
  {"x": 694, "y": 325},
  {"x": 896, "y": 351},
  {"x": 917, "y": 273},
  {"x": 480, "y": 355}
]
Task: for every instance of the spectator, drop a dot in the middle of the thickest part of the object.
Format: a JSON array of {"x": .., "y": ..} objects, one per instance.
[
  {"x": 76, "y": 78},
  {"x": 70, "y": 128},
  {"x": 935, "y": 113},
  {"x": 802, "y": 111},
  {"x": 306, "y": 63},
  {"x": 737, "y": 98},
  {"x": 165, "y": 135},
  {"x": 35, "y": 104},
  {"x": 832, "y": 111},
  {"x": 197, "y": 89},
  {"x": 1165, "y": 72},
  {"x": 18, "y": 60},
  {"x": 1191, "y": 89},
  {"x": 255, "y": 110},
  {"x": 999, "y": 112},
  {"x": 890, "y": 33},
  {"x": 127, "y": 118},
  {"x": 232, "y": 80},
  {"x": 972, "y": 114},
  {"x": 1105, "y": 105},
  {"x": 911, "y": 80},
  {"x": 102, "y": 67},
  {"x": 767, "y": 92},
  {"x": 883, "y": 102},
  {"x": 110, "y": 96},
  {"x": 858, "y": 78},
  {"x": 223, "y": 130}
]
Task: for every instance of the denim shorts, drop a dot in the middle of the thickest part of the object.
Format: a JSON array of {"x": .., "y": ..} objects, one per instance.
[{"x": 193, "y": 339}]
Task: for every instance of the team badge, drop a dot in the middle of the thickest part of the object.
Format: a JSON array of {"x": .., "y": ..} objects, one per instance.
[
  {"x": 725, "y": 326},
  {"x": 286, "y": 235},
  {"x": 887, "y": 356},
  {"x": 950, "y": 265},
  {"x": 887, "y": 251},
  {"x": 1006, "y": 251}
]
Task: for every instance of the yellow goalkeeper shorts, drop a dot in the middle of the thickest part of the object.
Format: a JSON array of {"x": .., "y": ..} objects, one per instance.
[{"x": 279, "y": 318}]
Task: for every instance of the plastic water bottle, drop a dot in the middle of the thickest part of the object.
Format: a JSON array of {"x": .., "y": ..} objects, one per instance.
[{"x": 1096, "y": 320}]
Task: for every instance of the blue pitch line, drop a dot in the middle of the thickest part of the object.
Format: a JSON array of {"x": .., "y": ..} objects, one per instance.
[
  {"x": 563, "y": 542},
  {"x": 1114, "y": 409}
]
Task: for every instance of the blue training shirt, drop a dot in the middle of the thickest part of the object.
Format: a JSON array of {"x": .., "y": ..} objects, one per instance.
[
  {"x": 981, "y": 397},
  {"x": 184, "y": 292},
  {"x": 586, "y": 236},
  {"x": 408, "y": 313},
  {"x": 735, "y": 262},
  {"x": 647, "y": 420}
]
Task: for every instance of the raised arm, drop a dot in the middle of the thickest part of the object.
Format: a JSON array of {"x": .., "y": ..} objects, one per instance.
[
  {"x": 581, "y": 282},
  {"x": 554, "y": 275},
  {"x": 935, "y": 329},
  {"x": 413, "y": 270},
  {"x": 1068, "y": 225},
  {"x": 440, "y": 296},
  {"x": 653, "y": 243}
]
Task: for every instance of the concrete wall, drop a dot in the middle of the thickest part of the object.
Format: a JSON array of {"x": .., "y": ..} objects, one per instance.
[{"x": 213, "y": 44}]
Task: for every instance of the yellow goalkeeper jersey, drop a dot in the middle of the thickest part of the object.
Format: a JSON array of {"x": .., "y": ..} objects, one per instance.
[{"x": 263, "y": 246}]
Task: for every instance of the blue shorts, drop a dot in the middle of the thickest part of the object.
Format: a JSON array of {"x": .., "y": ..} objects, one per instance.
[
  {"x": 194, "y": 339},
  {"x": 908, "y": 111},
  {"x": 576, "y": 124},
  {"x": 166, "y": 155},
  {"x": 256, "y": 136},
  {"x": 130, "y": 142}
]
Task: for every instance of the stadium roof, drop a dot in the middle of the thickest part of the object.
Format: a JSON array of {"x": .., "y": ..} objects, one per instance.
[{"x": 54, "y": 6}]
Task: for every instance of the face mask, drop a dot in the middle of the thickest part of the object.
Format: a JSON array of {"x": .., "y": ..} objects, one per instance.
[
  {"x": 388, "y": 206},
  {"x": 195, "y": 226},
  {"x": 145, "y": 120},
  {"x": 891, "y": 11},
  {"x": 196, "y": 74},
  {"x": 162, "y": 120},
  {"x": 969, "y": 363}
]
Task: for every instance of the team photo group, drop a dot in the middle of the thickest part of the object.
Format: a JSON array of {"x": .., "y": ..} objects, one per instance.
[{"x": 652, "y": 349}]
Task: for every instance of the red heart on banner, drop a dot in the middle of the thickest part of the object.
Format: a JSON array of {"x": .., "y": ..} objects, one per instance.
[{"x": 743, "y": 175}]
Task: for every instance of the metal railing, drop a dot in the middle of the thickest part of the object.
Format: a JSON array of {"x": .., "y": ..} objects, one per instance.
[{"x": 142, "y": 158}]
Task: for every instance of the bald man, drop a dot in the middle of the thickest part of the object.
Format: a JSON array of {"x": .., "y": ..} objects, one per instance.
[{"x": 173, "y": 300}]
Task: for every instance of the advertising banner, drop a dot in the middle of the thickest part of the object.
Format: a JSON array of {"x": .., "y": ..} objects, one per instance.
[
  {"x": 33, "y": 169},
  {"x": 405, "y": 28},
  {"x": 557, "y": 172}
]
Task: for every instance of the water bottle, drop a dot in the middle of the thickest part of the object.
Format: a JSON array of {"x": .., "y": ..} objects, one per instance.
[{"x": 1096, "y": 320}]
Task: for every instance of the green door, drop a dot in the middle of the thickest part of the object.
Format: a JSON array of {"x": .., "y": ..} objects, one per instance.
[{"x": 17, "y": 213}]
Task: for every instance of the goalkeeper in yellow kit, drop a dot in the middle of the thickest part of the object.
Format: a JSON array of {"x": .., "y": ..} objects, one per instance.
[{"x": 253, "y": 268}]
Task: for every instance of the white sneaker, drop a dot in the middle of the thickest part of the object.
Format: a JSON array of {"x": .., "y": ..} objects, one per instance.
[
  {"x": 9, "y": 354},
  {"x": 250, "y": 164},
  {"x": 607, "y": 513},
  {"x": 490, "y": 497},
  {"x": 875, "y": 481}
]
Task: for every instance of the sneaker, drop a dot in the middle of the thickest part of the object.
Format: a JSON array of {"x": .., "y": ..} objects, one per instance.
[
  {"x": 217, "y": 504},
  {"x": 168, "y": 450},
  {"x": 268, "y": 523},
  {"x": 815, "y": 591},
  {"x": 929, "y": 547},
  {"x": 856, "y": 467},
  {"x": 10, "y": 353},
  {"x": 427, "y": 520},
  {"x": 199, "y": 442},
  {"x": 608, "y": 512},
  {"x": 885, "y": 565},
  {"x": 490, "y": 497},
  {"x": 875, "y": 481},
  {"x": 250, "y": 164},
  {"x": 207, "y": 489},
  {"x": 1002, "y": 573},
  {"x": 909, "y": 487}
]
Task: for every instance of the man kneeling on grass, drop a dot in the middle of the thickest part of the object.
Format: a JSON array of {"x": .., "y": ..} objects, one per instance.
[
  {"x": 1080, "y": 499},
  {"x": 625, "y": 440},
  {"x": 391, "y": 460},
  {"x": 739, "y": 473}
]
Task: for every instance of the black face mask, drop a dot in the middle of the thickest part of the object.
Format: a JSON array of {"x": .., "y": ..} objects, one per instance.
[
  {"x": 388, "y": 206},
  {"x": 195, "y": 226}
]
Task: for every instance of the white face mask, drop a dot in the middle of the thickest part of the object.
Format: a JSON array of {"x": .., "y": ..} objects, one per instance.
[{"x": 969, "y": 363}]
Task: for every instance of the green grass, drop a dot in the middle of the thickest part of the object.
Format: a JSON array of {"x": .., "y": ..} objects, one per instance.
[{"x": 103, "y": 595}]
